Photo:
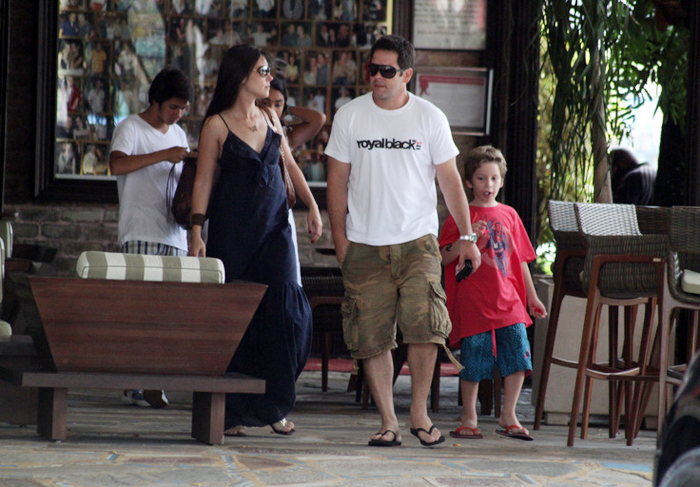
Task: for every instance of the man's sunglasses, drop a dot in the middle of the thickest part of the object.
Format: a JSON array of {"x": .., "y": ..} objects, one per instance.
[
  {"x": 387, "y": 72},
  {"x": 263, "y": 71}
]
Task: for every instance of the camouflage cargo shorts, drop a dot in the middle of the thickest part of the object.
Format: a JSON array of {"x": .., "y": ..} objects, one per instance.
[{"x": 390, "y": 285}]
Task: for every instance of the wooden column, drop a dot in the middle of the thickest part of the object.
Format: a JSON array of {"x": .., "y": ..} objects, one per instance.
[
  {"x": 692, "y": 193},
  {"x": 513, "y": 53}
]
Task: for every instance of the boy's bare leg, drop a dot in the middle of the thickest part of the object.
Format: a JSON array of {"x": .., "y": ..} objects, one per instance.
[
  {"x": 379, "y": 371},
  {"x": 512, "y": 385},
  {"x": 421, "y": 360},
  {"x": 470, "y": 392}
]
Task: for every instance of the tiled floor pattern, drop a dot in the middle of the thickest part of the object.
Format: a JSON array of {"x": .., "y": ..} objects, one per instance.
[{"x": 114, "y": 445}]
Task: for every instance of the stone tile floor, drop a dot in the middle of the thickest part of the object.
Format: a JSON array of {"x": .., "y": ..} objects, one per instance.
[{"x": 111, "y": 444}]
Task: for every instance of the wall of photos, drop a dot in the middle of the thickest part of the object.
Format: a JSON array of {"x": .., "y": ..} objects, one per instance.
[{"x": 110, "y": 50}]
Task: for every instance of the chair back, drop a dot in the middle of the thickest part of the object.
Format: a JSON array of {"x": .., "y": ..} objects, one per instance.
[
  {"x": 685, "y": 237},
  {"x": 654, "y": 220},
  {"x": 562, "y": 217},
  {"x": 562, "y": 220},
  {"x": 612, "y": 229},
  {"x": 606, "y": 219}
]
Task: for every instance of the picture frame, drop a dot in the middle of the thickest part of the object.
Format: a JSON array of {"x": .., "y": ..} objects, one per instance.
[
  {"x": 463, "y": 94},
  {"x": 98, "y": 58}
]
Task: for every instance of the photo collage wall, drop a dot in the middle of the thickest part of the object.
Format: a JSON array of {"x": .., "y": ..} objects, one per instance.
[{"x": 110, "y": 50}]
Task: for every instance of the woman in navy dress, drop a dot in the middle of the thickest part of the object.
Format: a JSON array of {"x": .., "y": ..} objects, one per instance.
[{"x": 238, "y": 168}]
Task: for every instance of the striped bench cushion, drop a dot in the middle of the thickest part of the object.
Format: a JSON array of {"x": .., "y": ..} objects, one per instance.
[{"x": 137, "y": 267}]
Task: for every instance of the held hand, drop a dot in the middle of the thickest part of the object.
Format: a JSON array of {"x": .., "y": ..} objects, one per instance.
[
  {"x": 176, "y": 154},
  {"x": 315, "y": 225},
  {"x": 537, "y": 309},
  {"x": 469, "y": 251}
]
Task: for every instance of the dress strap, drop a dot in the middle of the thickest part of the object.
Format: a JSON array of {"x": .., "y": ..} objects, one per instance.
[{"x": 223, "y": 120}]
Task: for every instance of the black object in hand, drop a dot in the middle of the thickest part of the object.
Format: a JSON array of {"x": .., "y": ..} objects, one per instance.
[{"x": 466, "y": 270}]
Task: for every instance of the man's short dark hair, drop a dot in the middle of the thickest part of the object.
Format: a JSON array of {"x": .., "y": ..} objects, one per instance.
[
  {"x": 170, "y": 83},
  {"x": 400, "y": 46}
]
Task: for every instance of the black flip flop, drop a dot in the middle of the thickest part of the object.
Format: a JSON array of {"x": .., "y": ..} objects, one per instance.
[
  {"x": 380, "y": 442},
  {"x": 415, "y": 431},
  {"x": 282, "y": 432}
]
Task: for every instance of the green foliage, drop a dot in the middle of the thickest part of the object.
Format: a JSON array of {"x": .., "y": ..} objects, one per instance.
[{"x": 598, "y": 57}]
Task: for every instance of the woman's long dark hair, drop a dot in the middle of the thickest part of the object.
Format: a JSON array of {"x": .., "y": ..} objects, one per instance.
[{"x": 237, "y": 64}]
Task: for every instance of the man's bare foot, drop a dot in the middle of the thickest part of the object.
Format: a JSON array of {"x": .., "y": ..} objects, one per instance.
[
  {"x": 385, "y": 438},
  {"x": 430, "y": 436},
  {"x": 386, "y": 434}
]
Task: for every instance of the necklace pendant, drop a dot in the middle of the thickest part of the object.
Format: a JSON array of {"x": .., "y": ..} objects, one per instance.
[{"x": 253, "y": 128}]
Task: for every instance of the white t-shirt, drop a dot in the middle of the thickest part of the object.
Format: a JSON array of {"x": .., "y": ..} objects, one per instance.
[
  {"x": 392, "y": 197},
  {"x": 144, "y": 213}
]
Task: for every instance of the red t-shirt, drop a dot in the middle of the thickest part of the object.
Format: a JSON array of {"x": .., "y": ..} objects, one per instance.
[{"x": 494, "y": 295}]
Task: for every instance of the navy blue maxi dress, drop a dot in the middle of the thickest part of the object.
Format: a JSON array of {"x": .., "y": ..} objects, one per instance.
[{"x": 250, "y": 233}]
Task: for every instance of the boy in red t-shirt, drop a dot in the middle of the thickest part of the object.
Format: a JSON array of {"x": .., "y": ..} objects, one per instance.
[{"x": 489, "y": 309}]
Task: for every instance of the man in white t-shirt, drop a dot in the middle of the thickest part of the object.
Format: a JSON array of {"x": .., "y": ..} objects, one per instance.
[
  {"x": 145, "y": 155},
  {"x": 385, "y": 150}
]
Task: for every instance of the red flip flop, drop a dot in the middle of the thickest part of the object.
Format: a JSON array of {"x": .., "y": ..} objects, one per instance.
[
  {"x": 518, "y": 435},
  {"x": 474, "y": 433}
]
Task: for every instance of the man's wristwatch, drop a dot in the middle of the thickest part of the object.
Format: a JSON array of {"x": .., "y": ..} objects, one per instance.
[{"x": 469, "y": 238}]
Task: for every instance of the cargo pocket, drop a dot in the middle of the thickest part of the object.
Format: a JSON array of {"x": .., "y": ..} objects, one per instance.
[
  {"x": 350, "y": 317},
  {"x": 439, "y": 319}
]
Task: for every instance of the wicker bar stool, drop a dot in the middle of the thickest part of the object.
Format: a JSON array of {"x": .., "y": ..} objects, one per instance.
[
  {"x": 568, "y": 265},
  {"x": 622, "y": 268},
  {"x": 684, "y": 255}
]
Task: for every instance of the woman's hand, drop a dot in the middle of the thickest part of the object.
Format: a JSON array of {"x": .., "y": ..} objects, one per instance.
[{"x": 315, "y": 224}]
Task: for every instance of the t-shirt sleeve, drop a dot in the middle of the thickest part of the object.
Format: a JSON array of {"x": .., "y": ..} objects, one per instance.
[
  {"x": 123, "y": 139},
  {"x": 442, "y": 145},
  {"x": 525, "y": 249},
  {"x": 337, "y": 146},
  {"x": 449, "y": 233}
]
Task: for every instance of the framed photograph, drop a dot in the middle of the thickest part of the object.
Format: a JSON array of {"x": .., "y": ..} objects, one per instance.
[
  {"x": 440, "y": 24},
  {"x": 98, "y": 58},
  {"x": 463, "y": 94}
]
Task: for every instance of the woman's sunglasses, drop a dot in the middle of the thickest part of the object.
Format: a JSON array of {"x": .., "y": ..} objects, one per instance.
[
  {"x": 387, "y": 72},
  {"x": 263, "y": 71}
]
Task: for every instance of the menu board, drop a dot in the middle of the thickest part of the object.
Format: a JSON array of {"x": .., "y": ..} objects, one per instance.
[{"x": 449, "y": 24}]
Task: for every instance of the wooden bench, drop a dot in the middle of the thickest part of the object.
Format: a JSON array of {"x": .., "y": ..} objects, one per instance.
[{"x": 113, "y": 333}]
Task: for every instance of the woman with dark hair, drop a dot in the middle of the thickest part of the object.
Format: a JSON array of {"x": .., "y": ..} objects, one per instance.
[{"x": 249, "y": 231}]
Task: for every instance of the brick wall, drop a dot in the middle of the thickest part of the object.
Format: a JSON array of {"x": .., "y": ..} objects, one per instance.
[{"x": 72, "y": 228}]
